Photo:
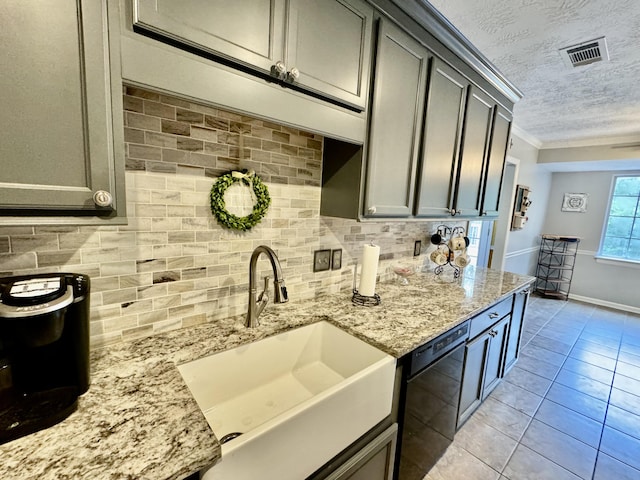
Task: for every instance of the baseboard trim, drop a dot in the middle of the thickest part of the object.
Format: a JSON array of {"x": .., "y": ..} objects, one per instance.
[{"x": 604, "y": 303}]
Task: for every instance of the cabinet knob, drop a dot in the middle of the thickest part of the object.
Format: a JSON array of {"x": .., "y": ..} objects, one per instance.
[
  {"x": 279, "y": 70},
  {"x": 293, "y": 75},
  {"x": 494, "y": 315},
  {"x": 371, "y": 210},
  {"x": 103, "y": 198},
  {"x": 452, "y": 211}
]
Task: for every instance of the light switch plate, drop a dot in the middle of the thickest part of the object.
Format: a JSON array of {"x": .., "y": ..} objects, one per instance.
[
  {"x": 321, "y": 260},
  {"x": 416, "y": 248}
]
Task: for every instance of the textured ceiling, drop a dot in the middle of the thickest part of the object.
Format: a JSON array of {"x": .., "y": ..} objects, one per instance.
[{"x": 561, "y": 104}]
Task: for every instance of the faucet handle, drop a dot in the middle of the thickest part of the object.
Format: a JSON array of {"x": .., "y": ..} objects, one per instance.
[{"x": 264, "y": 296}]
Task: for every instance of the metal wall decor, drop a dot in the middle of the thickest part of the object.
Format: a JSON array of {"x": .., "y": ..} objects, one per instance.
[
  {"x": 575, "y": 202},
  {"x": 451, "y": 249},
  {"x": 520, "y": 206}
]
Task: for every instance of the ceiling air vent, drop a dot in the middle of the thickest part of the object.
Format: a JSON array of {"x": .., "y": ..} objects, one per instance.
[{"x": 585, "y": 53}]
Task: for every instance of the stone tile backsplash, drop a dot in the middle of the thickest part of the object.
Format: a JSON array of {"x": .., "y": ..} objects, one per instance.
[{"x": 173, "y": 265}]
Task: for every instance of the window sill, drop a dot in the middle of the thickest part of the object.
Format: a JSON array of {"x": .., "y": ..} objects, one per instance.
[{"x": 620, "y": 262}]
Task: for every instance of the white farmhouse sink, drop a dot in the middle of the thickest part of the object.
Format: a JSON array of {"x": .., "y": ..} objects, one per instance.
[{"x": 298, "y": 398}]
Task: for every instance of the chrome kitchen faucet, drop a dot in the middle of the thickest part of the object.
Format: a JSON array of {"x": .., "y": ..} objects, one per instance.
[{"x": 257, "y": 303}]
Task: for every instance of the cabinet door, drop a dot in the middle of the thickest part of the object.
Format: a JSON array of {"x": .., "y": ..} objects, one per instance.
[
  {"x": 373, "y": 462},
  {"x": 477, "y": 125},
  {"x": 440, "y": 145},
  {"x": 495, "y": 162},
  {"x": 61, "y": 131},
  {"x": 249, "y": 31},
  {"x": 495, "y": 355},
  {"x": 475, "y": 357},
  {"x": 329, "y": 42},
  {"x": 515, "y": 329},
  {"x": 396, "y": 116}
]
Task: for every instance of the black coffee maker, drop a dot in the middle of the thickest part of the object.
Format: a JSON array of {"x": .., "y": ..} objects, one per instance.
[{"x": 44, "y": 350}]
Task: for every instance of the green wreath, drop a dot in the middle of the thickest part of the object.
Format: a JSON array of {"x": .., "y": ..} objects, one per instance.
[{"x": 219, "y": 208}]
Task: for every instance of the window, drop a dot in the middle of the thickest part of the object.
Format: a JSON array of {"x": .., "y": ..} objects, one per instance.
[
  {"x": 479, "y": 234},
  {"x": 621, "y": 235}
]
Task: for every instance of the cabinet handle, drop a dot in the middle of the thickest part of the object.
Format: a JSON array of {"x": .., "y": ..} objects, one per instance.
[
  {"x": 493, "y": 333},
  {"x": 525, "y": 291},
  {"x": 102, "y": 198},
  {"x": 293, "y": 75},
  {"x": 494, "y": 315},
  {"x": 371, "y": 210},
  {"x": 452, "y": 212}
]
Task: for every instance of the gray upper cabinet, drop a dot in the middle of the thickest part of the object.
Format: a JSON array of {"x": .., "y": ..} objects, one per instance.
[
  {"x": 329, "y": 43},
  {"x": 441, "y": 140},
  {"x": 61, "y": 146},
  {"x": 476, "y": 135},
  {"x": 495, "y": 162},
  {"x": 396, "y": 117},
  {"x": 249, "y": 31},
  {"x": 324, "y": 47}
]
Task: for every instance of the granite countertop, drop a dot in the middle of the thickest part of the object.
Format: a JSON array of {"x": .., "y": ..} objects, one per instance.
[{"x": 139, "y": 421}]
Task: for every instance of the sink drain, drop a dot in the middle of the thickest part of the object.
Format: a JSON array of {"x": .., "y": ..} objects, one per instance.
[{"x": 229, "y": 436}]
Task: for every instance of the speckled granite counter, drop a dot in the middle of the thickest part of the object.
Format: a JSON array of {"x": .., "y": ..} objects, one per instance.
[{"x": 139, "y": 421}]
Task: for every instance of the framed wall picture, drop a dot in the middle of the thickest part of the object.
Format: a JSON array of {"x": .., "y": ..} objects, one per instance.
[{"x": 575, "y": 202}]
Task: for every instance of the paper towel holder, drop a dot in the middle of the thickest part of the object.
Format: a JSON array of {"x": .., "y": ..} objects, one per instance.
[{"x": 362, "y": 300}]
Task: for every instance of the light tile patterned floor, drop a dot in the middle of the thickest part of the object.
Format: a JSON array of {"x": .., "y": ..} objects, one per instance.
[{"x": 569, "y": 409}]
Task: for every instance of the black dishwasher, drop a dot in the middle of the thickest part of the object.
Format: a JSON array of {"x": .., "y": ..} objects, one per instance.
[{"x": 433, "y": 377}]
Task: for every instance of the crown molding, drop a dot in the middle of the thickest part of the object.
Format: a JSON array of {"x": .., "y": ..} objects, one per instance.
[{"x": 527, "y": 137}]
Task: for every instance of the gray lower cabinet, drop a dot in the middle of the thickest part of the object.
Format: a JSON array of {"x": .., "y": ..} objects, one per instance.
[
  {"x": 493, "y": 368},
  {"x": 61, "y": 134},
  {"x": 520, "y": 302},
  {"x": 396, "y": 114},
  {"x": 482, "y": 367},
  {"x": 325, "y": 47},
  {"x": 374, "y": 462}
]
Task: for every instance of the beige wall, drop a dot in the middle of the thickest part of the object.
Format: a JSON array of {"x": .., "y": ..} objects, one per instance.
[
  {"x": 173, "y": 265},
  {"x": 608, "y": 283}
]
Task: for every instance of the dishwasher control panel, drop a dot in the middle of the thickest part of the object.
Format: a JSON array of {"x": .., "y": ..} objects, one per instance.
[{"x": 427, "y": 354}]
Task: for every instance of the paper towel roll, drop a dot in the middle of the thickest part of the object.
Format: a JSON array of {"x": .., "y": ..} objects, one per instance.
[{"x": 370, "y": 255}]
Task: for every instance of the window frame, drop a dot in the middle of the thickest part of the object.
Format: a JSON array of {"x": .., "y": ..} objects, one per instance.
[{"x": 601, "y": 257}]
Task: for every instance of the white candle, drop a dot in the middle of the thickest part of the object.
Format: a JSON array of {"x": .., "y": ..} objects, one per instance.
[{"x": 370, "y": 255}]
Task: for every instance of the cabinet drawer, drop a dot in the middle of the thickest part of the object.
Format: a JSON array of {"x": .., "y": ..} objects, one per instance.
[{"x": 481, "y": 322}]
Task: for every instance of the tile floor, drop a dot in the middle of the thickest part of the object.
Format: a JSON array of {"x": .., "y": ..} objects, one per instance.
[{"x": 569, "y": 409}]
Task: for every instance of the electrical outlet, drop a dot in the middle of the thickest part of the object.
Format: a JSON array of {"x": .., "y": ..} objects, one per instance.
[
  {"x": 417, "y": 248},
  {"x": 321, "y": 260},
  {"x": 336, "y": 259}
]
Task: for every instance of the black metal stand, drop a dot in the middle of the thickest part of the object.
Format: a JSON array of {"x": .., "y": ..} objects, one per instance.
[
  {"x": 440, "y": 240},
  {"x": 364, "y": 300}
]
